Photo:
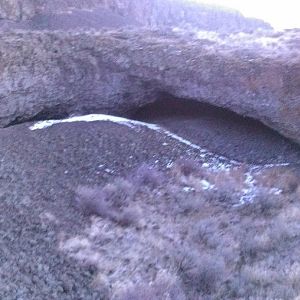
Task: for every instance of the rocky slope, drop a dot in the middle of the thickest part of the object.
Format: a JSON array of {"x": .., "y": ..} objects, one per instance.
[
  {"x": 178, "y": 228},
  {"x": 155, "y": 13},
  {"x": 56, "y": 74},
  {"x": 39, "y": 173}
]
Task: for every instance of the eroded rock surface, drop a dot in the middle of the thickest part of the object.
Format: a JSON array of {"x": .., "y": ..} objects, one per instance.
[
  {"x": 56, "y": 74},
  {"x": 17, "y": 10},
  {"x": 57, "y": 14}
]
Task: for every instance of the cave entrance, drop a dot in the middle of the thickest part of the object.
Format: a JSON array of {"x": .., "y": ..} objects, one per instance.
[{"x": 220, "y": 131}]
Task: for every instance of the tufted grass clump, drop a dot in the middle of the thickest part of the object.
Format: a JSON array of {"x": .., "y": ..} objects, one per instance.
[
  {"x": 147, "y": 176},
  {"x": 114, "y": 201}
]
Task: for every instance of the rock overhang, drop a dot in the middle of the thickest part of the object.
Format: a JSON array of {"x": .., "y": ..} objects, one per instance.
[{"x": 118, "y": 71}]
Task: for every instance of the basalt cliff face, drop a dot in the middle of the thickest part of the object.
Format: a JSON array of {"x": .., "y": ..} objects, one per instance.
[
  {"x": 53, "y": 74},
  {"x": 17, "y": 10},
  {"x": 159, "y": 13},
  {"x": 155, "y": 13}
]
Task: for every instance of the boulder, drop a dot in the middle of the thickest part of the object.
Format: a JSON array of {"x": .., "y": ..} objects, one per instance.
[{"x": 51, "y": 74}]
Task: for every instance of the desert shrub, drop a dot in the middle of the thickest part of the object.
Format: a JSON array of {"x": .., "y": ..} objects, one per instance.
[
  {"x": 183, "y": 201},
  {"x": 281, "y": 233},
  {"x": 127, "y": 217},
  {"x": 243, "y": 253},
  {"x": 187, "y": 167},
  {"x": 119, "y": 193},
  {"x": 229, "y": 181},
  {"x": 253, "y": 247},
  {"x": 220, "y": 186},
  {"x": 164, "y": 287},
  {"x": 203, "y": 273},
  {"x": 260, "y": 282},
  {"x": 205, "y": 232},
  {"x": 113, "y": 201},
  {"x": 188, "y": 203},
  {"x": 145, "y": 292},
  {"x": 87, "y": 200},
  {"x": 222, "y": 197},
  {"x": 148, "y": 176},
  {"x": 273, "y": 238},
  {"x": 283, "y": 178},
  {"x": 264, "y": 204}
]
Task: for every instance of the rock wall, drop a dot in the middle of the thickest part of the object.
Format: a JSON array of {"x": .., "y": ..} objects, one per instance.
[
  {"x": 54, "y": 74},
  {"x": 17, "y": 10},
  {"x": 154, "y": 13},
  {"x": 157, "y": 13}
]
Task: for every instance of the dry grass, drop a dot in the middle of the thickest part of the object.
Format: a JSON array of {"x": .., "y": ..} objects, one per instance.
[
  {"x": 166, "y": 286},
  {"x": 209, "y": 248},
  {"x": 283, "y": 178},
  {"x": 114, "y": 201}
]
